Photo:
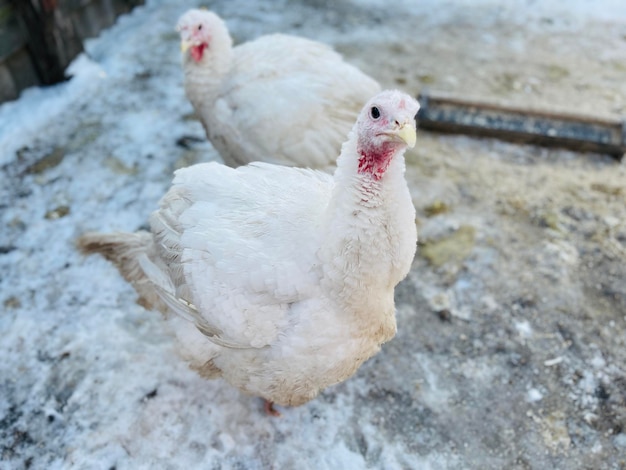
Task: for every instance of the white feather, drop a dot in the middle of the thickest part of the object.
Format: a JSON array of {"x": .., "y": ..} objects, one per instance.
[
  {"x": 288, "y": 274},
  {"x": 280, "y": 99}
]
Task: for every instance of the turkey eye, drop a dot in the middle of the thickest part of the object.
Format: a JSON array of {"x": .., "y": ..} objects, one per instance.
[
  {"x": 199, "y": 27},
  {"x": 375, "y": 112}
]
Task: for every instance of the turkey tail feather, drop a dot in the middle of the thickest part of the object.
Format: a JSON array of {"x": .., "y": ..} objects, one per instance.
[{"x": 125, "y": 251}]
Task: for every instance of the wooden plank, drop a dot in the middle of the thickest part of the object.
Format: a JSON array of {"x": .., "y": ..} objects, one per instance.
[
  {"x": 8, "y": 88},
  {"x": 97, "y": 15},
  {"x": 124, "y": 6},
  {"x": 51, "y": 41},
  {"x": 443, "y": 113},
  {"x": 11, "y": 36},
  {"x": 48, "y": 34},
  {"x": 92, "y": 16},
  {"x": 22, "y": 71},
  {"x": 16, "y": 73}
]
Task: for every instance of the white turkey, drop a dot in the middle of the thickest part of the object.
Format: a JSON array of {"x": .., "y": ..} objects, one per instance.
[
  {"x": 279, "y": 99},
  {"x": 281, "y": 280}
]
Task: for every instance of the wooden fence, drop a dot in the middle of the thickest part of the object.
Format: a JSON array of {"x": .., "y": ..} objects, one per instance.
[{"x": 39, "y": 38}]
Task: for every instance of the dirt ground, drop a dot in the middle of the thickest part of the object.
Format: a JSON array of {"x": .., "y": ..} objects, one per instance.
[{"x": 511, "y": 348}]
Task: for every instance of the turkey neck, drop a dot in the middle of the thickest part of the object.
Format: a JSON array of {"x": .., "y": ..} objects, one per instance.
[
  {"x": 370, "y": 237},
  {"x": 204, "y": 79}
]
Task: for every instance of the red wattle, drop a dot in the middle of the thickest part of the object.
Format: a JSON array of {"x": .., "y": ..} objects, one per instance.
[
  {"x": 376, "y": 162},
  {"x": 198, "y": 51}
]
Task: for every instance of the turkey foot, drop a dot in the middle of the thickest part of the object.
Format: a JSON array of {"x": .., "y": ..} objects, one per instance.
[{"x": 269, "y": 408}]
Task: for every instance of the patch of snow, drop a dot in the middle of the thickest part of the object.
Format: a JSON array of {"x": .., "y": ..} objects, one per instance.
[
  {"x": 524, "y": 329},
  {"x": 533, "y": 395},
  {"x": 24, "y": 120}
]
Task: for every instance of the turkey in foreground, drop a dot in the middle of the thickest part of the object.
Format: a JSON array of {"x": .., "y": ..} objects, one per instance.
[
  {"x": 281, "y": 280},
  {"x": 279, "y": 99}
]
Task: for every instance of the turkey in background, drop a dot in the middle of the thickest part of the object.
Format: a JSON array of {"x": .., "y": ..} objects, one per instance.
[{"x": 278, "y": 99}]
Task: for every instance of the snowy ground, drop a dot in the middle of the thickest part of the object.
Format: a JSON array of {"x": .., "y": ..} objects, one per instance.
[{"x": 511, "y": 345}]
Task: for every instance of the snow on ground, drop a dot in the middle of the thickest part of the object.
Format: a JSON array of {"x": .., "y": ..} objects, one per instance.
[{"x": 510, "y": 351}]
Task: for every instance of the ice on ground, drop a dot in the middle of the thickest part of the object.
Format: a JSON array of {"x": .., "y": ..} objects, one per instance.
[{"x": 509, "y": 354}]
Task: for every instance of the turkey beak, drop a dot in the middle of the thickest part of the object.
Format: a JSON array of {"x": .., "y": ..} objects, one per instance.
[
  {"x": 184, "y": 45},
  {"x": 407, "y": 133}
]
